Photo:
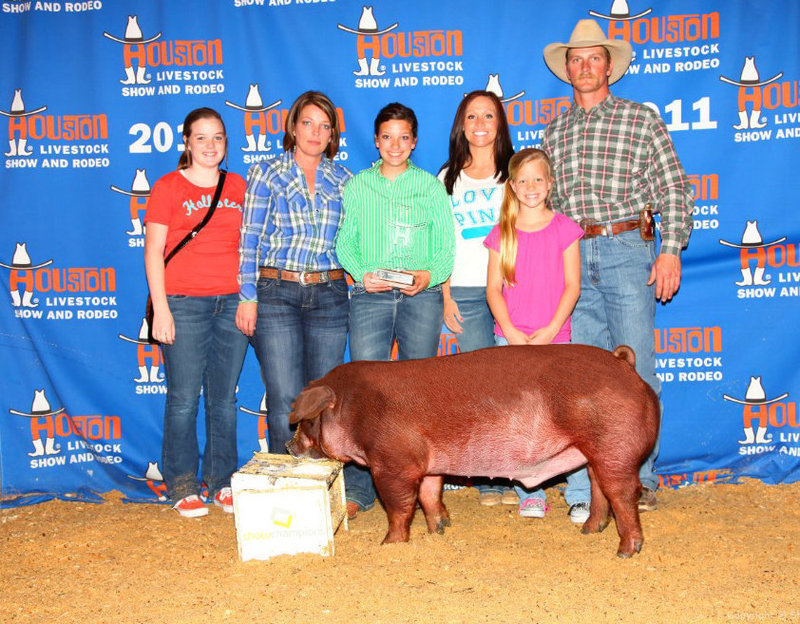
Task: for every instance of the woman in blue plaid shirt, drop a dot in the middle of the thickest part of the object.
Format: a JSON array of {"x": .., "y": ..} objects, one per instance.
[{"x": 292, "y": 290}]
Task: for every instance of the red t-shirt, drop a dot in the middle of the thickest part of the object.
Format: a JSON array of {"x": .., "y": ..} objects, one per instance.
[{"x": 209, "y": 264}]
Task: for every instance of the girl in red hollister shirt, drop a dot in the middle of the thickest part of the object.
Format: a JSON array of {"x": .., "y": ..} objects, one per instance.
[{"x": 195, "y": 300}]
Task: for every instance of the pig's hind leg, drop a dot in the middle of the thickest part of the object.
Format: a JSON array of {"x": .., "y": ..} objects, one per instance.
[
  {"x": 621, "y": 487},
  {"x": 399, "y": 495},
  {"x": 430, "y": 498}
]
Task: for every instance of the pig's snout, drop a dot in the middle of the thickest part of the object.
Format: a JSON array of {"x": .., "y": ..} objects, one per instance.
[{"x": 303, "y": 446}]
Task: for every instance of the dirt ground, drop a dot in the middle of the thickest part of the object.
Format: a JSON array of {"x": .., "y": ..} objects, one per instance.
[{"x": 712, "y": 553}]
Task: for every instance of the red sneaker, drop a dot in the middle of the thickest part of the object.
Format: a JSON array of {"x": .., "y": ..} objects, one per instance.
[
  {"x": 224, "y": 499},
  {"x": 191, "y": 507}
]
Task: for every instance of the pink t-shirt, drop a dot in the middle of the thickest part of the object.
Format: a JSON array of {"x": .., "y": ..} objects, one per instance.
[{"x": 539, "y": 270}]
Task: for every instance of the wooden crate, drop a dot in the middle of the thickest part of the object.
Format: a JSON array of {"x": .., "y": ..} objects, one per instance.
[{"x": 284, "y": 505}]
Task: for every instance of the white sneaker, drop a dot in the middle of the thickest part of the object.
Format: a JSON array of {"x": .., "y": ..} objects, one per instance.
[
  {"x": 579, "y": 513},
  {"x": 532, "y": 508}
]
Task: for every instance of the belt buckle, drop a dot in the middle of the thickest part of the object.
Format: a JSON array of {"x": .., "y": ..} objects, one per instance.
[
  {"x": 301, "y": 278},
  {"x": 585, "y": 224}
]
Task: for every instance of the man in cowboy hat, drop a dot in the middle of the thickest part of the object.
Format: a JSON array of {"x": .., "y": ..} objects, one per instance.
[{"x": 612, "y": 160}]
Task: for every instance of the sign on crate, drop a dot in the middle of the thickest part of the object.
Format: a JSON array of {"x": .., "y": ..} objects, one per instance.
[{"x": 284, "y": 505}]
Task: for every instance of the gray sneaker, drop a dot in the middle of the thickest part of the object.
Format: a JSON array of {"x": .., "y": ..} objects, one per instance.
[
  {"x": 647, "y": 500},
  {"x": 579, "y": 513}
]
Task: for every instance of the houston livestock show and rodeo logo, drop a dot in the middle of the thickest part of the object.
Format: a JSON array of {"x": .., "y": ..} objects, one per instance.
[
  {"x": 58, "y": 438},
  {"x": 54, "y": 141},
  {"x": 767, "y": 269},
  {"x": 41, "y": 291},
  {"x": 388, "y": 57},
  {"x": 156, "y": 66},
  {"x": 764, "y": 418},
  {"x": 767, "y": 108}
]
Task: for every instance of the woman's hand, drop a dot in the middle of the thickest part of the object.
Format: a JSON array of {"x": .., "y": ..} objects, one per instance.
[
  {"x": 374, "y": 284},
  {"x": 421, "y": 281},
  {"x": 246, "y": 315},
  {"x": 452, "y": 317},
  {"x": 163, "y": 326}
]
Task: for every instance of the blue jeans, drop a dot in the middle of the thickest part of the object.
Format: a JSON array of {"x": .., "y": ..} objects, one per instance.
[
  {"x": 617, "y": 307},
  {"x": 376, "y": 320},
  {"x": 477, "y": 333},
  {"x": 207, "y": 353},
  {"x": 523, "y": 493},
  {"x": 478, "y": 323},
  {"x": 301, "y": 333}
]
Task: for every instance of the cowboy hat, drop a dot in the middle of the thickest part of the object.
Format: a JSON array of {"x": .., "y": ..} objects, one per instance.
[{"x": 588, "y": 34}]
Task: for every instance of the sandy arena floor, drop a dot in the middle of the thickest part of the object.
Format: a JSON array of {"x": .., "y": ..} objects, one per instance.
[{"x": 712, "y": 553}]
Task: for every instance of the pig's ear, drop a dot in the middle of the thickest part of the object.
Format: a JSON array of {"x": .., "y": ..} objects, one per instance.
[{"x": 310, "y": 403}]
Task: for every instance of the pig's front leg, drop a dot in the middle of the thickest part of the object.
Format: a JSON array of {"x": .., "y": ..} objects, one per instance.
[
  {"x": 430, "y": 498},
  {"x": 598, "y": 509},
  {"x": 398, "y": 492}
]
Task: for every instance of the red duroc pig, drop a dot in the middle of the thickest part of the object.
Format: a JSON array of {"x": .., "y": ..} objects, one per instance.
[{"x": 522, "y": 412}]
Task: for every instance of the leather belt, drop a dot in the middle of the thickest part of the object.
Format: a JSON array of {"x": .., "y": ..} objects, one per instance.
[
  {"x": 304, "y": 278},
  {"x": 609, "y": 229}
]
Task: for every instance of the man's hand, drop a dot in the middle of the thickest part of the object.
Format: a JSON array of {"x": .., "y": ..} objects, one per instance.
[{"x": 666, "y": 273}]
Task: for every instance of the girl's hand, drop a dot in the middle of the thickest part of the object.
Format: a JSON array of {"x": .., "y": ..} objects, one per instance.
[
  {"x": 246, "y": 315},
  {"x": 374, "y": 284},
  {"x": 163, "y": 326},
  {"x": 542, "y": 336},
  {"x": 516, "y": 337},
  {"x": 421, "y": 281},
  {"x": 452, "y": 317}
]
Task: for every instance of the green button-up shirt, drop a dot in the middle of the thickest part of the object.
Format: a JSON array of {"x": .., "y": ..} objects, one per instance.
[
  {"x": 612, "y": 161},
  {"x": 402, "y": 224}
]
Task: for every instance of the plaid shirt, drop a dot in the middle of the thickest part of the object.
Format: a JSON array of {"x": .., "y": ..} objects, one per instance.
[
  {"x": 280, "y": 228},
  {"x": 611, "y": 162}
]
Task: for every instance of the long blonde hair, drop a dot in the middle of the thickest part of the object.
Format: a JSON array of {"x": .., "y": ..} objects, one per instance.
[{"x": 509, "y": 210}]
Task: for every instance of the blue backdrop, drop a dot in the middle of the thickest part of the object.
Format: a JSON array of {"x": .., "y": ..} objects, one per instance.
[{"x": 94, "y": 93}]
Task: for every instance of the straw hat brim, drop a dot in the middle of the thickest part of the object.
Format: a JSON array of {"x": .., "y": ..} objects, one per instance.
[{"x": 555, "y": 55}]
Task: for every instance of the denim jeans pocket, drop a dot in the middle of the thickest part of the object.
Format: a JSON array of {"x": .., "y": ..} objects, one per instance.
[
  {"x": 357, "y": 289},
  {"x": 633, "y": 240},
  {"x": 264, "y": 286},
  {"x": 338, "y": 287}
]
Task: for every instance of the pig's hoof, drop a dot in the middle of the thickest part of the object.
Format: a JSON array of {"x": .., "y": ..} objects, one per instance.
[
  {"x": 593, "y": 526},
  {"x": 627, "y": 553},
  {"x": 588, "y": 529},
  {"x": 394, "y": 539}
]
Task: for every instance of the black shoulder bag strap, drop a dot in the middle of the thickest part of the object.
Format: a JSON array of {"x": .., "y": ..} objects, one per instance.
[
  {"x": 202, "y": 223},
  {"x": 148, "y": 311}
]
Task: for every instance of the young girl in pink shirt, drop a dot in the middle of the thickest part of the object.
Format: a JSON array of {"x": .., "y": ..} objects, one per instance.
[{"x": 534, "y": 271}]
